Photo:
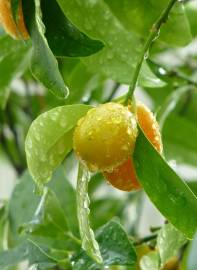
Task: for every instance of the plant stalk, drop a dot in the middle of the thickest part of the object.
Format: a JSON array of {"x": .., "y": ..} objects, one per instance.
[{"x": 153, "y": 33}]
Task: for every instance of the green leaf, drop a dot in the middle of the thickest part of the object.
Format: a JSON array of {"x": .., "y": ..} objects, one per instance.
[
  {"x": 13, "y": 256},
  {"x": 150, "y": 261},
  {"x": 115, "y": 247},
  {"x": 170, "y": 104},
  {"x": 122, "y": 49},
  {"x": 192, "y": 259},
  {"x": 81, "y": 83},
  {"x": 39, "y": 254},
  {"x": 89, "y": 243},
  {"x": 49, "y": 219},
  {"x": 169, "y": 241},
  {"x": 193, "y": 186},
  {"x": 177, "y": 140},
  {"x": 49, "y": 140},
  {"x": 191, "y": 10},
  {"x": 67, "y": 198},
  {"x": 13, "y": 62},
  {"x": 175, "y": 31},
  {"x": 63, "y": 37},
  {"x": 164, "y": 187},
  {"x": 44, "y": 66},
  {"x": 22, "y": 205}
]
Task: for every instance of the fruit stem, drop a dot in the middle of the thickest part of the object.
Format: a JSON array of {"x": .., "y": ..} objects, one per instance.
[{"x": 153, "y": 33}]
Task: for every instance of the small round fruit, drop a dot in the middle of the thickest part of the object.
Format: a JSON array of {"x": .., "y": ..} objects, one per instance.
[
  {"x": 105, "y": 136},
  {"x": 17, "y": 31},
  {"x": 124, "y": 176}
]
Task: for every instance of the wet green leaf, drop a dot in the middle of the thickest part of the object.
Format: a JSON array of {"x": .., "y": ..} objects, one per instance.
[
  {"x": 175, "y": 31},
  {"x": 44, "y": 66},
  {"x": 49, "y": 219},
  {"x": 49, "y": 139},
  {"x": 169, "y": 241},
  {"x": 165, "y": 188},
  {"x": 63, "y": 37},
  {"x": 122, "y": 48},
  {"x": 115, "y": 247}
]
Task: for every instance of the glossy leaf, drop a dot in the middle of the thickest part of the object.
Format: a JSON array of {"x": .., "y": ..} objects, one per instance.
[
  {"x": 49, "y": 140},
  {"x": 89, "y": 243},
  {"x": 165, "y": 188},
  {"x": 49, "y": 219},
  {"x": 169, "y": 241},
  {"x": 115, "y": 247},
  {"x": 150, "y": 261},
  {"x": 122, "y": 49},
  {"x": 63, "y": 37},
  {"x": 176, "y": 30},
  {"x": 44, "y": 66}
]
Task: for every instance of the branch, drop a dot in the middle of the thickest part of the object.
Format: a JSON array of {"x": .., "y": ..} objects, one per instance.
[{"x": 153, "y": 33}]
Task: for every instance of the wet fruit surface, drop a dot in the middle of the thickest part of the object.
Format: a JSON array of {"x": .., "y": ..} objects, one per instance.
[
  {"x": 6, "y": 19},
  {"x": 124, "y": 177},
  {"x": 105, "y": 137}
]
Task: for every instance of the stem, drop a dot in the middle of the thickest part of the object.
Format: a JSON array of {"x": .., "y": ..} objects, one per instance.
[
  {"x": 113, "y": 92},
  {"x": 89, "y": 243},
  {"x": 145, "y": 239},
  {"x": 153, "y": 33}
]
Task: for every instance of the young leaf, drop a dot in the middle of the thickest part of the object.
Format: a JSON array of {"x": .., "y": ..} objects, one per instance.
[
  {"x": 169, "y": 241},
  {"x": 150, "y": 261},
  {"x": 44, "y": 66},
  {"x": 165, "y": 188},
  {"x": 89, "y": 243},
  {"x": 115, "y": 247},
  {"x": 49, "y": 139},
  {"x": 63, "y": 37},
  {"x": 122, "y": 49}
]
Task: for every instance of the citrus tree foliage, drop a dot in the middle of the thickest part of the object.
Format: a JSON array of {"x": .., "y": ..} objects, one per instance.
[{"x": 80, "y": 54}]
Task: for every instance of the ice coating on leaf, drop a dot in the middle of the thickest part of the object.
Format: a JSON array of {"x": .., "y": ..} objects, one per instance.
[
  {"x": 89, "y": 243},
  {"x": 49, "y": 139}
]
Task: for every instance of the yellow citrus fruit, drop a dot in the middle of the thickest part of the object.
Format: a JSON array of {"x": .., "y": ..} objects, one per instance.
[
  {"x": 17, "y": 31},
  {"x": 123, "y": 176},
  {"x": 105, "y": 137}
]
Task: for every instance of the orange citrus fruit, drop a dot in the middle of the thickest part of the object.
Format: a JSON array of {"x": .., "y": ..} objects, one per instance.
[
  {"x": 124, "y": 176},
  {"x": 16, "y": 30},
  {"x": 105, "y": 137}
]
